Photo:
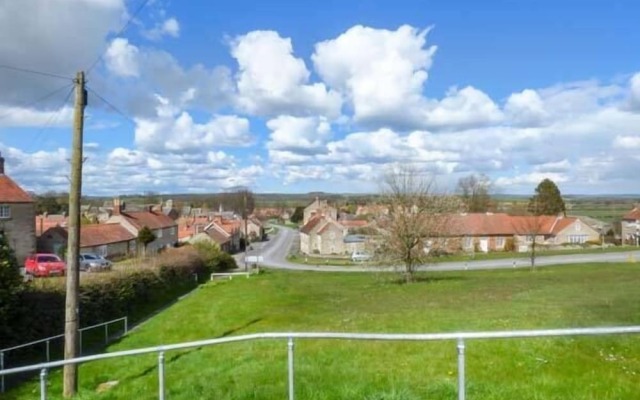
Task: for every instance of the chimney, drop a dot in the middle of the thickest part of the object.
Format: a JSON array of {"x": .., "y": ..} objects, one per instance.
[
  {"x": 1, "y": 165},
  {"x": 117, "y": 207}
]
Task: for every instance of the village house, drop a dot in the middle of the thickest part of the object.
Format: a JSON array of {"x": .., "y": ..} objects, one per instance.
[
  {"x": 323, "y": 234},
  {"x": 107, "y": 240},
  {"x": 253, "y": 229},
  {"x": 491, "y": 232},
  {"x": 17, "y": 216},
  {"x": 163, "y": 227},
  {"x": 319, "y": 208},
  {"x": 630, "y": 227}
]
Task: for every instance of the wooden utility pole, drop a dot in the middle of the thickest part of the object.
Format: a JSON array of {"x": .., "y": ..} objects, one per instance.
[
  {"x": 246, "y": 237},
  {"x": 72, "y": 307}
]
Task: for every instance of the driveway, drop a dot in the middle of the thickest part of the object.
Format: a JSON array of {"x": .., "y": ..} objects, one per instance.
[{"x": 275, "y": 251}]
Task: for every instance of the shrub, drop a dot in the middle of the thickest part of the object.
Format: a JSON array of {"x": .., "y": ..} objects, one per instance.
[
  {"x": 38, "y": 310},
  {"x": 214, "y": 259},
  {"x": 10, "y": 287}
]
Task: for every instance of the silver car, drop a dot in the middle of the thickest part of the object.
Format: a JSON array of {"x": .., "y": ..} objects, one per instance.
[{"x": 92, "y": 263}]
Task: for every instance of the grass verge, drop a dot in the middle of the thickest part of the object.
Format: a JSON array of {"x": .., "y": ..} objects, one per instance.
[{"x": 562, "y": 368}]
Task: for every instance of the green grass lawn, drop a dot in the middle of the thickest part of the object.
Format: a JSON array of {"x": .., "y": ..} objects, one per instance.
[{"x": 562, "y": 368}]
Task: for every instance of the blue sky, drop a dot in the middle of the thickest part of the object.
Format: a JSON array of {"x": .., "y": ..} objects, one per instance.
[{"x": 297, "y": 96}]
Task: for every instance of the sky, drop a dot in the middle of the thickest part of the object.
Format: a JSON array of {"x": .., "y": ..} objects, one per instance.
[{"x": 297, "y": 96}]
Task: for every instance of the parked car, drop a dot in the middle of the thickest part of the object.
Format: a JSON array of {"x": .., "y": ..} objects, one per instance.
[
  {"x": 360, "y": 256},
  {"x": 92, "y": 263},
  {"x": 43, "y": 264}
]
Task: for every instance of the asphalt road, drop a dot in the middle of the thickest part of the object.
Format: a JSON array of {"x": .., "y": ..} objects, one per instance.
[{"x": 275, "y": 251}]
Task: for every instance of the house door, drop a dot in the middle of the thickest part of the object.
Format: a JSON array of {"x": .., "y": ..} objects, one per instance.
[{"x": 484, "y": 245}]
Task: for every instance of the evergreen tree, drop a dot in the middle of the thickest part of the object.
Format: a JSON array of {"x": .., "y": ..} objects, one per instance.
[
  {"x": 146, "y": 236},
  {"x": 547, "y": 200},
  {"x": 298, "y": 215},
  {"x": 10, "y": 286}
]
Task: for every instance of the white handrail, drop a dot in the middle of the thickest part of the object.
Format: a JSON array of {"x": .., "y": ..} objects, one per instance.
[{"x": 336, "y": 335}]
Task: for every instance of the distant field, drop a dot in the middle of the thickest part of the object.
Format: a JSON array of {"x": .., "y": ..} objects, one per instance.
[{"x": 563, "y": 368}]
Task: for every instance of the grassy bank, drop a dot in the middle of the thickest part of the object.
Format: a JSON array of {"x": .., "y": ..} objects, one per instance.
[{"x": 585, "y": 368}]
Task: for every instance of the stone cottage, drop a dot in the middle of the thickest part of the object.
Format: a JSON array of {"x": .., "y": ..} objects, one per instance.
[{"x": 17, "y": 216}]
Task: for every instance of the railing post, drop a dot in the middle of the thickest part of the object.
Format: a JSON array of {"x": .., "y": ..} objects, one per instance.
[
  {"x": 291, "y": 386},
  {"x": 80, "y": 342},
  {"x": 1, "y": 368},
  {"x": 126, "y": 325},
  {"x": 461, "y": 382},
  {"x": 43, "y": 384},
  {"x": 161, "y": 390},
  {"x": 48, "y": 352},
  {"x": 106, "y": 334}
]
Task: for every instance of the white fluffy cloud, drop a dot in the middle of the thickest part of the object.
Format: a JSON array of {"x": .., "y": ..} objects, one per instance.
[
  {"x": 168, "y": 27},
  {"x": 13, "y": 116},
  {"x": 627, "y": 142},
  {"x": 526, "y": 108},
  {"x": 468, "y": 107},
  {"x": 122, "y": 58},
  {"x": 634, "y": 92},
  {"x": 304, "y": 135},
  {"x": 381, "y": 71},
  {"x": 46, "y": 28},
  {"x": 272, "y": 81},
  {"x": 175, "y": 130}
]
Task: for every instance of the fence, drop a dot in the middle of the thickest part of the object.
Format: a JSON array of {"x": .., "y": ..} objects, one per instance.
[
  {"x": 459, "y": 337},
  {"x": 47, "y": 342}
]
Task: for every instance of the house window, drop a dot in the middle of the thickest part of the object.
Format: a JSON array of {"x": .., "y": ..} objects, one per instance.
[
  {"x": 468, "y": 241},
  {"x": 499, "y": 242},
  {"x": 529, "y": 238},
  {"x": 577, "y": 239},
  {"x": 173, "y": 231},
  {"x": 5, "y": 212},
  {"x": 159, "y": 235}
]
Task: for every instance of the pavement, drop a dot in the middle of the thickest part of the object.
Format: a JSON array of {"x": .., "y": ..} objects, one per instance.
[{"x": 275, "y": 251}]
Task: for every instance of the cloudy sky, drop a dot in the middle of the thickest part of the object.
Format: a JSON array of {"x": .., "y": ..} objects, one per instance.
[{"x": 298, "y": 96}]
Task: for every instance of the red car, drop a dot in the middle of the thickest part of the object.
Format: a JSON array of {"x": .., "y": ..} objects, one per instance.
[{"x": 44, "y": 265}]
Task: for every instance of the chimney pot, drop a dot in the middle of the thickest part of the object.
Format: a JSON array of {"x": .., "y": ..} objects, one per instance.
[{"x": 1, "y": 165}]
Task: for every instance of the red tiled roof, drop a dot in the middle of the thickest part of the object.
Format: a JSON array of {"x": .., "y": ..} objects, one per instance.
[
  {"x": 151, "y": 220},
  {"x": 503, "y": 224},
  {"x": 310, "y": 225},
  {"x": 632, "y": 215},
  {"x": 45, "y": 222},
  {"x": 328, "y": 225},
  {"x": 96, "y": 234},
  {"x": 101, "y": 234},
  {"x": 10, "y": 192},
  {"x": 218, "y": 236}
]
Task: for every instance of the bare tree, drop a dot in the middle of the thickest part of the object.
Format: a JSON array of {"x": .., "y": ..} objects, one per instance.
[
  {"x": 532, "y": 227},
  {"x": 475, "y": 192},
  {"x": 417, "y": 218}
]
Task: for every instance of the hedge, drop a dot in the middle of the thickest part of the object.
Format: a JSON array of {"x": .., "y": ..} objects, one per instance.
[{"x": 134, "y": 292}]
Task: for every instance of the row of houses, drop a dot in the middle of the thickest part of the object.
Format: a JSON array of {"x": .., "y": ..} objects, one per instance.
[
  {"x": 116, "y": 234},
  {"x": 323, "y": 232}
]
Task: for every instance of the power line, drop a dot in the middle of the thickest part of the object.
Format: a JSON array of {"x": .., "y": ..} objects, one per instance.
[
  {"x": 32, "y": 71},
  {"x": 52, "y": 118},
  {"x": 114, "y": 108},
  {"x": 120, "y": 32},
  {"x": 30, "y": 104}
]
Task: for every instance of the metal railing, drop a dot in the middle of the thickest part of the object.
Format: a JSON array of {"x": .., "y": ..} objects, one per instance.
[
  {"x": 47, "y": 342},
  {"x": 458, "y": 337}
]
